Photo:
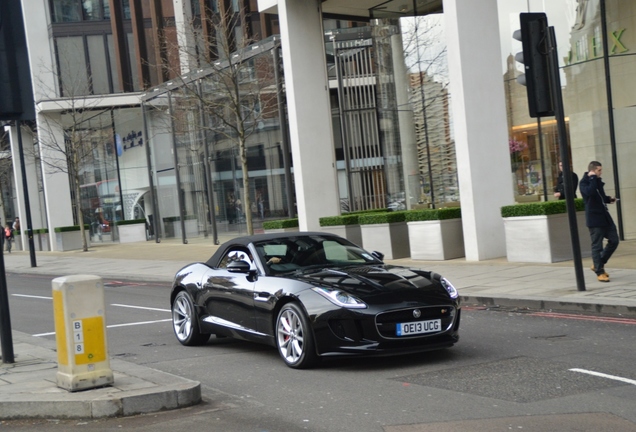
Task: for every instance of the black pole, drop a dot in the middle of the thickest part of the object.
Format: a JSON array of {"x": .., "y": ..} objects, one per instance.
[
  {"x": 25, "y": 192},
  {"x": 289, "y": 190},
  {"x": 151, "y": 189},
  {"x": 545, "y": 180},
  {"x": 207, "y": 167},
  {"x": 5, "y": 319},
  {"x": 610, "y": 117},
  {"x": 557, "y": 98},
  {"x": 177, "y": 173}
]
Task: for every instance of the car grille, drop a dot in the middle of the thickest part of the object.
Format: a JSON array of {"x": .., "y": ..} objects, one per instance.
[{"x": 386, "y": 323}]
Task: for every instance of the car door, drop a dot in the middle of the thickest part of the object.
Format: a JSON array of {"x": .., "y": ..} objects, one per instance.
[{"x": 229, "y": 297}]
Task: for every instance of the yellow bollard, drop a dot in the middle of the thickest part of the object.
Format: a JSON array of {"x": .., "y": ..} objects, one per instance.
[{"x": 80, "y": 333}]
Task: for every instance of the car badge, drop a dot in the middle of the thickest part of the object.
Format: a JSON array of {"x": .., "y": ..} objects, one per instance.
[{"x": 417, "y": 313}]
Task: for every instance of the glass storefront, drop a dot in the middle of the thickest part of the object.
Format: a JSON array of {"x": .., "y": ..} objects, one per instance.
[
  {"x": 583, "y": 28},
  {"x": 196, "y": 160}
]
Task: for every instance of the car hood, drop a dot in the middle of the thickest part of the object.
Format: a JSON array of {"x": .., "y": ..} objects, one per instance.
[{"x": 379, "y": 284}]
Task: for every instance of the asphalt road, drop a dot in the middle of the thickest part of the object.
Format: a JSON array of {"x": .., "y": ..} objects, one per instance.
[{"x": 510, "y": 370}]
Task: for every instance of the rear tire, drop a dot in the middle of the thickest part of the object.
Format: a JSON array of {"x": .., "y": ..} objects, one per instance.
[
  {"x": 294, "y": 338},
  {"x": 185, "y": 321}
]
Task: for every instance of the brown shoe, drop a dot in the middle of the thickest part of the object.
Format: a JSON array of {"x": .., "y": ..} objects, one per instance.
[
  {"x": 594, "y": 270},
  {"x": 603, "y": 277}
]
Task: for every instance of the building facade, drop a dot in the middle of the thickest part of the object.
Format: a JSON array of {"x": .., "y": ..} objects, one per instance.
[{"x": 347, "y": 108}]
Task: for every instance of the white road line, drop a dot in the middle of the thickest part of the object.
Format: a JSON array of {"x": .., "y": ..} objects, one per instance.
[
  {"x": 114, "y": 304},
  {"x": 141, "y": 307},
  {"x": 32, "y": 296},
  {"x": 602, "y": 375},
  {"x": 138, "y": 323},
  {"x": 114, "y": 325}
]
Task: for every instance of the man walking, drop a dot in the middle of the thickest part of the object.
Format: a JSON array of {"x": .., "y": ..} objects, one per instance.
[
  {"x": 559, "y": 189},
  {"x": 598, "y": 219}
]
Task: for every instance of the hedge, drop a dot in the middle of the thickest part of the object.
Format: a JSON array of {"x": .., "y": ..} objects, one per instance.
[
  {"x": 280, "y": 224},
  {"x": 434, "y": 214},
  {"x": 131, "y": 222},
  {"x": 345, "y": 219},
  {"x": 350, "y": 218},
  {"x": 70, "y": 228},
  {"x": 177, "y": 218},
  {"x": 378, "y": 218},
  {"x": 359, "y": 212},
  {"x": 540, "y": 208}
]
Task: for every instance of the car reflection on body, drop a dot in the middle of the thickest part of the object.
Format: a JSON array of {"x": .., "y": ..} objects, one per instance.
[{"x": 313, "y": 295}]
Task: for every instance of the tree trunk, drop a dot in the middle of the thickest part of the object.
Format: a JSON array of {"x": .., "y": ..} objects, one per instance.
[{"x": 247, "y": 201}]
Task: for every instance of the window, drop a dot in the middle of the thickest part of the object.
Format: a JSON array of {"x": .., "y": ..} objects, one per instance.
[
  {"x": 236, "y": 255},
  {"x": 98, "y": 64},
  {"x": 72, "y": 66},
  {"x": 65, "y": 11}
]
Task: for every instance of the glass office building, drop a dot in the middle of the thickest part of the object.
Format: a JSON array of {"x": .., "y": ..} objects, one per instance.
[{"x": 156, "y": 154}]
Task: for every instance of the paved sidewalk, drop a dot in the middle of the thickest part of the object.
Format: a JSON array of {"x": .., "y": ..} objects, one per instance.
[{"x": 28, "y": 388}]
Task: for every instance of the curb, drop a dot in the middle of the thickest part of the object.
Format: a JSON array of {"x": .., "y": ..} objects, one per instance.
[{"x": 550, "y": 305}]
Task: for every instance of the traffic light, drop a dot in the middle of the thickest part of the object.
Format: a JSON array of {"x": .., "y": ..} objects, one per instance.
[
  {"x": 16, "y": 94},
  {"x": 535, "y": 58}
]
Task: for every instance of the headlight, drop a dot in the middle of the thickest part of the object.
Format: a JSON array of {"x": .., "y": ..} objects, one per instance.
[
  {"x": 450, "y": 289},
  {"x": 340, "y": 298}
]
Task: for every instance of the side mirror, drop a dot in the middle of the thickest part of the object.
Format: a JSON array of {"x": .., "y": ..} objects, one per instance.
[
  {"x": 378, "y": 255},
  {"x": 238, "y": 267}
]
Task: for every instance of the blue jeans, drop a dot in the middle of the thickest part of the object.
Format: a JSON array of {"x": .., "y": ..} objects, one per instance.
[{"x": 601, "y": 255}]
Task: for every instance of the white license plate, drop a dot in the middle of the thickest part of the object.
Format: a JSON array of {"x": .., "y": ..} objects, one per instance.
[{"x": 419, "y": 327}]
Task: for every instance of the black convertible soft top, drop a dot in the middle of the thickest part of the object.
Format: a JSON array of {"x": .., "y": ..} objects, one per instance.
[{"x": 246, "y": 240}]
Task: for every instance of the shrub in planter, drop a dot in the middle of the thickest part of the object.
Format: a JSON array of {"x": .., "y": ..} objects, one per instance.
[
  {"x": 69, "y": 237},
  {"x": 540, "y": 208},
  {"x": 281, "y": 225},
  {"x": 385, "y": 232},
  {"x": 434, "y": 214},
  {"x": 346, "y": 225},
  {"x": 540, "y": 232},
  {"x": 382, "y": 217},
  {"x": 435, "y": 234},
  {"x": 131, "y": 222}
]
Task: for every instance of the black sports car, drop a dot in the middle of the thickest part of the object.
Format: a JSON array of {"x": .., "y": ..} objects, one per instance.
[{"x": 313, "y": 295}]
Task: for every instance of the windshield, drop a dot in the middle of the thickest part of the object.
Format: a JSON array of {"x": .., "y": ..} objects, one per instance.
[{"x": 293, "y": 253}]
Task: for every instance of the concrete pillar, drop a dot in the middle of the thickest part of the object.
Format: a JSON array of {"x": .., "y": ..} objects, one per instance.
[
  {"x": 45, "y": 87},
  {"x": 480, "y": 125},
  {"x": 59, "y": 209},
  {"x": 37, "y": 212},
  {"x": 310, "y": 128},
  {"x": 185, "y": 35}
]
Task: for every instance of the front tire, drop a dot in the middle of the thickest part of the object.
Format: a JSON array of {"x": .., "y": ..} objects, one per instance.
[
  {"x": 185, "y": 322},
  {"x": 294, "y": 338}
]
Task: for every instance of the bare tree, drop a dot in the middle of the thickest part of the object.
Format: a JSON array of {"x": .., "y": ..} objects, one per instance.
[
  {"x": 226, "y": 83},
  {"x": 76, "y": 132},
  {"x": 425, "y": 54}
]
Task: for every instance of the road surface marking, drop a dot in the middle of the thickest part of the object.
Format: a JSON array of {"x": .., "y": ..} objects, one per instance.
[
  {"x": 141, "y": 307},
  {"x": 113, "y": 326},
  {"x": 602, "y": 375}
]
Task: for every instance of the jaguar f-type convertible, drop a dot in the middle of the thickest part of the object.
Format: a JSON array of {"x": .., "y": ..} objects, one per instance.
[{"x": 313, "y": 295}]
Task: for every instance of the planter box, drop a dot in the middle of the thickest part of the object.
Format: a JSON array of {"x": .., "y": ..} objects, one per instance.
[
  {"x": 436, "y": 240},
  {"x": 281, "y": 230},
  {"x": 131, "y": 233},
  {"x": 391, "y": 239},
  {"x": 544, "y": 239},
  {"x": 70, "y": 240},
  {"x": 353, "y": 233},
  {"x": 40, "y": 242}
]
